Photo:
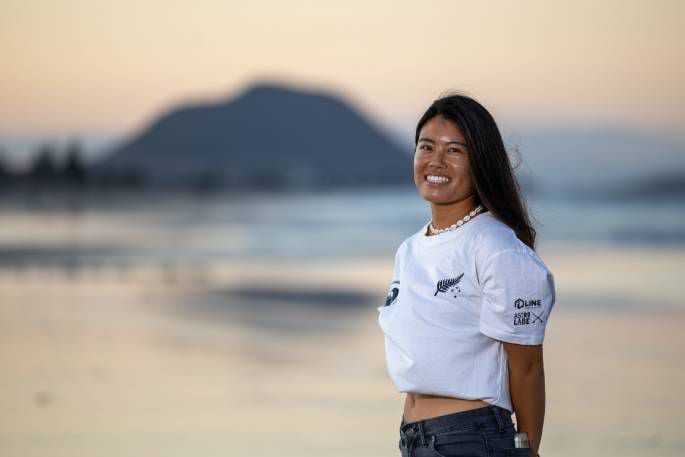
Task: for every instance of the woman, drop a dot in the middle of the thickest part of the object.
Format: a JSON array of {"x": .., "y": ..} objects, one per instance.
[{"x": 469, "y": 301}]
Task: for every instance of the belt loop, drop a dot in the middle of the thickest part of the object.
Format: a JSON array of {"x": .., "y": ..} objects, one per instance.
[
  {"x": 498, "y": 417},
  {"x": 421, "y": 434}
]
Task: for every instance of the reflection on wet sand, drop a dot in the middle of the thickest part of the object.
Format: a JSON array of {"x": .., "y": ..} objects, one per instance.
[
  {"x": 283, "y": 309},
  {"x": 294, "y": 366}
]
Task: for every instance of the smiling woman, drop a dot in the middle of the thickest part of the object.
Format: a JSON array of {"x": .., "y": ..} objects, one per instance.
[
  {"x": 470, "y": 298},
  {"x": 442, "y": 172}
]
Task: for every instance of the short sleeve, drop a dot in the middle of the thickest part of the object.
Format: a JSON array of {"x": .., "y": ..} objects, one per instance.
[{"x": 518, "y": 296}]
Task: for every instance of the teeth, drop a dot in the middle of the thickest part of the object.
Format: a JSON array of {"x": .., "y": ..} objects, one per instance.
[{"x": 437, "y": 179}]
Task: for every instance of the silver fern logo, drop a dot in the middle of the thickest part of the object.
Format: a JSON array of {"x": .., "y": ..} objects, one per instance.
[{"x": 448, "y": 285}]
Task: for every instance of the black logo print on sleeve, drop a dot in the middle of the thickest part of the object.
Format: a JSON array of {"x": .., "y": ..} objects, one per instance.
[
  {"x": 447, "y": 284},
  {"x": 393, "y": 293},
  {"x": 527, "y": 318},
  {"x": 521, "y": 303}
]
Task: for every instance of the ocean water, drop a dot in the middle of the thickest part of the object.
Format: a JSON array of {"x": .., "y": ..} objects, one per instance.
[
  {"x": 341, "y": 224},
  {"x": 280, "y": 343}
]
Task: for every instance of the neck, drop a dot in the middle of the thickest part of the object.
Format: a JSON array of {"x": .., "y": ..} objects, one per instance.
[{"x": 446, "y": 215}]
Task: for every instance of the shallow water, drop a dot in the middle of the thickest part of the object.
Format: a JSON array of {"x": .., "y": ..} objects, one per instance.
[{"x": 240, "y": 342}]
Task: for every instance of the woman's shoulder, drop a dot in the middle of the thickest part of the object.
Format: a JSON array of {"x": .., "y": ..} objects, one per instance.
[
  {"x": 497, "y": 248},
  {"x": 494, "y": 236},
  {"x": 403, "y": 248}
]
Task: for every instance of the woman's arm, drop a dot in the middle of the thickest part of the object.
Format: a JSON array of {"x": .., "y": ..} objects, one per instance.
[{"x": 527, "y": 389}]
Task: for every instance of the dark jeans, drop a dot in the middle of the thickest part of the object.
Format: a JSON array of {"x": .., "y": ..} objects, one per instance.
[{"x": 481, "y": 432}]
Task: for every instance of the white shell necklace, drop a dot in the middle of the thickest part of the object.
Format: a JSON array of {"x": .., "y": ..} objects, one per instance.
[{"x": 456, "y": 225}]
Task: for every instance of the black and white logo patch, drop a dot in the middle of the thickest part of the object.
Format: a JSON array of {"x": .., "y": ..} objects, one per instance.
[
  {"x": 392, "y": 293},
  {"x": 448, "y": 285}
]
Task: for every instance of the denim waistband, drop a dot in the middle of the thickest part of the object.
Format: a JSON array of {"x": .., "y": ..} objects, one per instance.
[{"x": 463, "y": 419}]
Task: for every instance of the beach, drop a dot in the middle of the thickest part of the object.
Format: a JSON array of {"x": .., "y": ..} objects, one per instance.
[{"x": 143, "y": 364}]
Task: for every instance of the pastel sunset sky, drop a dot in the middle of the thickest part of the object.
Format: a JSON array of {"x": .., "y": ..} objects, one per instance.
[{"x": 110, "y": 67}]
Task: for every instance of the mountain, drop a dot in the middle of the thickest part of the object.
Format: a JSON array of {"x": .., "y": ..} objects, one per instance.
[{"x": 268, "y": 136}]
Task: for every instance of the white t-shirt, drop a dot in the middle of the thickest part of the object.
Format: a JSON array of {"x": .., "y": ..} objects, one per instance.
[{"x": 453, "y": 299}]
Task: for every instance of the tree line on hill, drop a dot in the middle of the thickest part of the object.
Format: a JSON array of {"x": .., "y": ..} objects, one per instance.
[
  {"x": 46, "y": 170},
  {"x": 52, "y": 168}
]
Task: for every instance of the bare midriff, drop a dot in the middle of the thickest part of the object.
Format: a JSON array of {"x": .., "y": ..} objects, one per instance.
[{"x": 420, "y": 406}]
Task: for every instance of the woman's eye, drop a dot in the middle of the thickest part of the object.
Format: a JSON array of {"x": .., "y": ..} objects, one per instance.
[
  {"x": 425, "y": 147},
  {"x": 453, "y": 150}
]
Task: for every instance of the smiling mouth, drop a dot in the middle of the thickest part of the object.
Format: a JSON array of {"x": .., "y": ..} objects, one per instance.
[{"x": 436, "y": 179}]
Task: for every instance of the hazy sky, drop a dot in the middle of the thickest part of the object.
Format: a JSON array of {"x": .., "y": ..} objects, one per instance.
[{"x": 111, "y": 67}]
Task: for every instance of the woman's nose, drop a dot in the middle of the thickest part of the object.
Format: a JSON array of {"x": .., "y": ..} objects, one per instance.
[{"x": 439, "y": 156}]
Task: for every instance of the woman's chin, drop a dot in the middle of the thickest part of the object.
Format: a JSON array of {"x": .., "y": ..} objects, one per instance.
[
  {"x": 436, "y": 195},
  {"x": 439, "y": 199}
]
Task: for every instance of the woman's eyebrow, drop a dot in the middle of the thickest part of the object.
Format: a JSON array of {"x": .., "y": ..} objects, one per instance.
[{"x": 447, "y": 142}]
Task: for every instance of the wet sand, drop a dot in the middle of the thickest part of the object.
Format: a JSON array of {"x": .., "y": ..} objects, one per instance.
[{"x": 141, "y": 365}]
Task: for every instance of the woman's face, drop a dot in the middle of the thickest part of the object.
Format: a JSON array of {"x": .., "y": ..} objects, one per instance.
[{"x": 442, "y": 155}]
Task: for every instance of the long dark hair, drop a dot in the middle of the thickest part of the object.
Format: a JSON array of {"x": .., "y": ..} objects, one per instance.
[{"x": 495, "y": 184}]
